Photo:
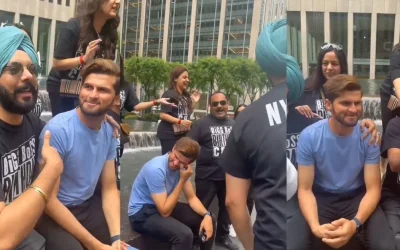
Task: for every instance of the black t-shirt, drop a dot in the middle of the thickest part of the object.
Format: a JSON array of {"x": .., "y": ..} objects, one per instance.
[
  {"x": 18, "y": 156},
  {"x": 165, "y": 129},
  {"x": 128, "y": 97},
  {"x": 393, "y": 74},
  {"x": 295, "y": 124},
  {"x": 66, "y": 47},
  {"x": 211, "y": 133},
  {"x": 315, "y": 101},
  {"x": 256, "y": 149},
  {"x": 117, "y": 118},
  {"x": 391, "y": 140}
]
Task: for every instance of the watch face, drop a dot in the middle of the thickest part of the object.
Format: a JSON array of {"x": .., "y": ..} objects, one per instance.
[{"x": 359, "y": 228}]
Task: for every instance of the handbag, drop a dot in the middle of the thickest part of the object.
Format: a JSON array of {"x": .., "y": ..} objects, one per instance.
[
  {"x": 72, "y": 88},
  {"x": 179, "y": 129},
  {"x": 393, "y": 103}
]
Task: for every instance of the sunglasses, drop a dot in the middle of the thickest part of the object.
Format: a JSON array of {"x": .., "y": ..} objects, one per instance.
[
  {"x": 215, "y": 104},
  {"x": 332, "y": 45},
  {"x": 17, "y": 69}
]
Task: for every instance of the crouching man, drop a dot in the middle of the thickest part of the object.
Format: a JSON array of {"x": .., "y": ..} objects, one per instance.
[{"x": 154, "y": 209}]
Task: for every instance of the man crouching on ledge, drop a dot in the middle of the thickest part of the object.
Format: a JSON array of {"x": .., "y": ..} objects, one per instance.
[{"x": 154, "y": 209}]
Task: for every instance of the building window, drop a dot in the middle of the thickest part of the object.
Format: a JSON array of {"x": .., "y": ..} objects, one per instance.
[
  {"x": 294, "y": 35},
  {"x": 67, "y": 2},
  {"x": 362, "y": 45},
  {"x": 384, "y": 44},
  {"x": 43, "y": 43},
  {"x": 6, "y": 17},
  {"x": 27, "y": 21},
  {"x": 315, "y": 38},
  {"x": 339, "y": 29},
  {"x": 59, "y": 2}
]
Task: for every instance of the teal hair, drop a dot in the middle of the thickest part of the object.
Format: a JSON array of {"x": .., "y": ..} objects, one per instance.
[
  {"x": 271, "y": 54},
  {"x": 13, "y": 39}
]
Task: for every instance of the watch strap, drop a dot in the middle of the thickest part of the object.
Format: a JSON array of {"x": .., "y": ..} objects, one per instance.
[
  {"x": 115, "y": 238},
  {"x": 358, "y": 224},
  {"x": 207, "y": 213}
]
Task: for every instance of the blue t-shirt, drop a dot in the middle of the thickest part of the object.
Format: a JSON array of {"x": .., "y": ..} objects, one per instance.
[
  {"x": 84, "y": 152},
  {"x": 338, "y": 160},
  {"x": 154, "y": 178}
]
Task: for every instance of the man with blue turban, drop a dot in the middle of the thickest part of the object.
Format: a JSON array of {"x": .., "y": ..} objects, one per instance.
[
  {"x": 256, "y": 149},
  {"x": 19, "y": 133}
]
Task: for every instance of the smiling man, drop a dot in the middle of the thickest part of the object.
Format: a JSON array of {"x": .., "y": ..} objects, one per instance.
[
  {"x": 154, "y": 209},
  {"x": 211, "y": 132},
  {"x": 75, "y": 217},
  {"x": 339, "y": 179}
]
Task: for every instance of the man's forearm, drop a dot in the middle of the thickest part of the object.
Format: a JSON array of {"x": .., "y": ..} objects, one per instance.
[
  {"x": 241, "y": 221},
  {"x": 308, "y": 206},
  {"x": 24, "y": 212},
  {"x": 173, "y": 198},
  {"x": 196, "y": 205},
  {"x": 368, "y": 204},
  {"x": 63, "y": 217},
  {"x": 143, "y": 106},
  {"x": 111, "y": 209}
]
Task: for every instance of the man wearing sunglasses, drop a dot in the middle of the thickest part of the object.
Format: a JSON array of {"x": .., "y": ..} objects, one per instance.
[
  {"x": 211, "y": 132},
  {"x": 19, "y": 133},
  {"x": 154, "y": 209}
]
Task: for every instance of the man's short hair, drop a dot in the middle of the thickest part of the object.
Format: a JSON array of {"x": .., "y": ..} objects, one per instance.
[
  {"x": 103, "y": 67},
  {"x": 213, "y": 94},
  {"x": 188, "y": 148},
  {"x": 339, "y": 84}
]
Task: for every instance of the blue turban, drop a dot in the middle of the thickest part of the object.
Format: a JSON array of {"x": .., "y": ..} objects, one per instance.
[
  {"x": 271, "y": 54},
  {"x": 11, "y": 40}
]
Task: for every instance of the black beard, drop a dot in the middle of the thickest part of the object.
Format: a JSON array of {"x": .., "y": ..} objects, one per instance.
[{"x": 9, "y": 103}]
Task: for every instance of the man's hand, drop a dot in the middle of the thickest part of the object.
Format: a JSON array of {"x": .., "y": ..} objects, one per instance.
[
  {"x": 165, "y": 101},
  {"x": 339, "y": 237},
  {"x": 124, "y": 246},
  {"x": 114, "y": 124},
  {"x": 207, "y": 226},
  {"x": 116, "y": 244},
  {"x": 322, "y": 230},
  {"x": 186, "y": 173},
  {"x": 105, "y": 247},
  {"x": 50, "y": 155},
  {"x": 371, "y": 130}
]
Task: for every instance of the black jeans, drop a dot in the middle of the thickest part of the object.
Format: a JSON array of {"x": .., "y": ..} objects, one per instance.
[
  {"x": 390, "y": 204},
  {"x": 376, "y": 232},
  {"x": 179, "y": 229},
  {"x": 89, "y": 214},
  {"x": 206, "y": 190},
  {"x": 60, "y": 104},
  {"x": 34, "y": 241}
]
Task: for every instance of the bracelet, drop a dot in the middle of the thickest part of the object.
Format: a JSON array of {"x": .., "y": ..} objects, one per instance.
[
  {"x": 155, "y": 103},
  {"x": 81, "y": 60},
  {"x": 180, "y": 121},
  {"x": 40, "y": 191},
  {"x": 115, "y": 238}
]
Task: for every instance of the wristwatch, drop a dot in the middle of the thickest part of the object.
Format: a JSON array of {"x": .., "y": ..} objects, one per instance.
[
  {"x": 359, "y": 225},
  {"x": 207, "y": 213}
]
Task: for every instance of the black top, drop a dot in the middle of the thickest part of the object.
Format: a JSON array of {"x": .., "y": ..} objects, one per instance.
[
  {"x": 165, "y": 129},
  {"x": 393, "y": 74},
  {"x": 211, "y": 133},
  {"x": 128, "y": 97},
  {"x": 18, "y": 156},
  {"x": 256, "y": 150},
  {"x": 295, "y": 124},
  {"x": 391, "y": 140}
]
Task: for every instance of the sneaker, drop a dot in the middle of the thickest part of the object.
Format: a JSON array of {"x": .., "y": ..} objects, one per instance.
[
  {"x": 227, "y": 243},
  {"x": 232, "y": 231}
]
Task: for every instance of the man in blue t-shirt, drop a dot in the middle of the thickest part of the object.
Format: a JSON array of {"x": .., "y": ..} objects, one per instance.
[
  {"x": 87, "y": 148},
  {"x": 339, "y": 177},
  {"x": 154, "y": 209}
]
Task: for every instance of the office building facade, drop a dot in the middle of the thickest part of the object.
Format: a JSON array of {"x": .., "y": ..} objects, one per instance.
[
  {"x": 187, "y": 30},
  {"x": 367, "y": 30}
]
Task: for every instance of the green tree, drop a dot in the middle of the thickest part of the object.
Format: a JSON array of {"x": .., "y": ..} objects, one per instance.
[
  {"x": 151, "y": 73},
  {"x": 247, "y": 76}
]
